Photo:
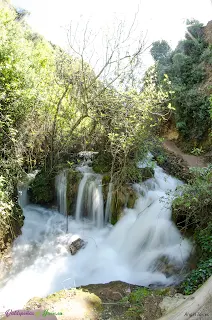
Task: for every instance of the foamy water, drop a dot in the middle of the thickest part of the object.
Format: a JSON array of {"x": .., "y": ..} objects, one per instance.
[{"x": 128, "y": 251}]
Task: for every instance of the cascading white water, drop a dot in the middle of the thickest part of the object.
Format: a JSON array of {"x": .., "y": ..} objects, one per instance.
[
  {"x": 61, "y": 189},
  {"x": 97, "y": 202},
  {"x": 90, "y": 198},
  {"x": 23, "y": 198},
  {"x": 81, "y": 191},
  {"x": 108, "y": 204},
  {"x": 129, "y": 251}
]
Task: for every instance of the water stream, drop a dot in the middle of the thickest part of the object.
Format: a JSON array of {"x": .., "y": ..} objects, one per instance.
[
  {"x": 61, "y": 189},
  {"x": 90, "y": 199},
  {"x": 129, "y": 251},
  {"x": 108, "y": 204}
]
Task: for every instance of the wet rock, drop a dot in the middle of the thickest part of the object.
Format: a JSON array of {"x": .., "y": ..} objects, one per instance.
[
  {"x": 76, "y": 245},
  {"x": 208, "y": 32},
  {"x": 110, "y": 292},
  {"x": 73, "y": 180},
  {"x": 124, "y": 197},
  {"x": 170, "y": 303},
  {"x": 167, "y": 267},
  {"x": 111, "y": 301}
]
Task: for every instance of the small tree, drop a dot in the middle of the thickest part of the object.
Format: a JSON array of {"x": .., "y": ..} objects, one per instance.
[{"x": 160, "y": 51}]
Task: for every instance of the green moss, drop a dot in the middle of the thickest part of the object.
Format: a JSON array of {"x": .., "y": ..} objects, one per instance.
[
  {"x": 132, "y": 199},
  {"x": 125, "y": 196},
  {"x": 106, "y": 179},
  {"x": 117, "y": 204},
  {"x": 73, "y": 180},
  {"x": 42, "y": 190},
  {"x": 66, "y": 299},
  {"x": 105, "y": 186},
  {"x": 163, "y": 292},
  {"x": 140, "y": 300},
  {"x": 94, "y": 301}
]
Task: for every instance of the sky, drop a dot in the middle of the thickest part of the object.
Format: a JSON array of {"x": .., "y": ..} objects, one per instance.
[{"x": 158, "y": 19}]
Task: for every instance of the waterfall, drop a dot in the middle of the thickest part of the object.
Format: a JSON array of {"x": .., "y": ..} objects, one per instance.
[
  {"x": 108, "y": 204},
  {"x": 61, "y": 190},
  {"x": 97, "y": 203},
  {"x": 90, "y": 202},
  {"x": 23, "y": 186},
  {"x": 90, "y": 199},
  {"x": 23, "y": 199},
  {"x": 132, "y": 251},
  {"x": 80, "y": 198}
]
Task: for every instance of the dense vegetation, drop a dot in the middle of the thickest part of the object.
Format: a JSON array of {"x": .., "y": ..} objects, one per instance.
[
  {"x": 53, "y": 105},
  {"x": 192, "y": 214},
  {"x": 188, "y": 67},
  {"x": 203, "y": 270}
]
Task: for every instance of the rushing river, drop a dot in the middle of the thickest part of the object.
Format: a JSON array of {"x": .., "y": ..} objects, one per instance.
[{"x": 128, "y": 251}]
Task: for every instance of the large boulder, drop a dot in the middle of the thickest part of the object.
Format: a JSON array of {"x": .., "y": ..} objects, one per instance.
[
  {"x": 73, "y": 304},
  {"x": 76, "y": 245},
  {"x": 111, "y": 301}
]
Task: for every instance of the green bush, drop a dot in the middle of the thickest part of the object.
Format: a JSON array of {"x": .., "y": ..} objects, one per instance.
[
  {"x": 135, "y": 302},
  {"x": 207, "y": 56},
  {"x": 102, "y": 162},
  {"x": 203, "y": 271},
  {"x": 11, "y": 216},
  {"x": 131, "y": 173},
  {"x": 192, "y": 211},
  {"x": 139, "y": 300},
  {"x": 192, "y": 113},
  {"x": 193, "y": 205},
  {"x": 186, "y": 69}
]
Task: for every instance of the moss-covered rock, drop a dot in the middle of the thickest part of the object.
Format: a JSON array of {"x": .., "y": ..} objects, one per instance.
[
  {"x": 42, "y": 188},
  {"x": 124, "y": 197},
  {"x": 125, "y": 301},
  {"x": 132, "y": 197},
  {"x": 73, "y": 180},
  {"x": 115, "y": 300},
  {"x": 105, "y": 186},
  {"x": 72, "y": 304},
  {"x": 117, "y": 204}
]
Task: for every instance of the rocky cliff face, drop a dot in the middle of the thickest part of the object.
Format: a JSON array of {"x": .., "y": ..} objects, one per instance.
[{"x": 208, "y": 32}]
